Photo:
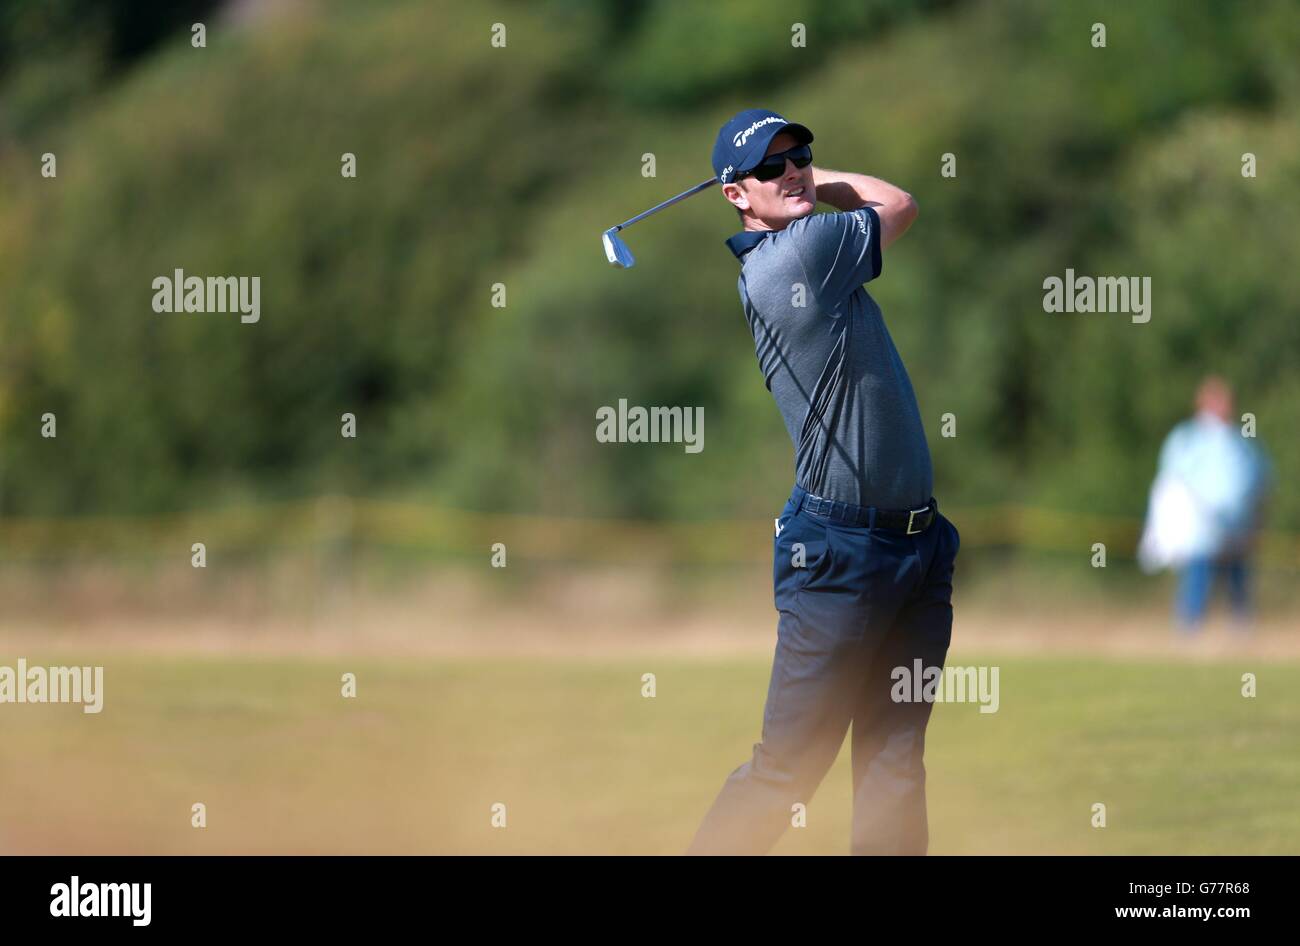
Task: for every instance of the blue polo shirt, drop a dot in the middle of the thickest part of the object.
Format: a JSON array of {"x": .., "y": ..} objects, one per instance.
[{"x": 829, "y": 362}]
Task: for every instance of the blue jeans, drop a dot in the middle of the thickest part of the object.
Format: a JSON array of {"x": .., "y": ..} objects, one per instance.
[
  {"x": 1196, "y": 582},
  {"x": 864, "y": 602}
]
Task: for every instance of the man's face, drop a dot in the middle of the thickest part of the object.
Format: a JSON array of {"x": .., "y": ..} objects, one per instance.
[
  {"x": 777, "y": 203},
  {"x": 1215, "y": 397}
]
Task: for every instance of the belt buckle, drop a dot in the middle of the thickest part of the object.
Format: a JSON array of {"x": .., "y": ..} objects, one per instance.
[{"x": 911, "y": 516}]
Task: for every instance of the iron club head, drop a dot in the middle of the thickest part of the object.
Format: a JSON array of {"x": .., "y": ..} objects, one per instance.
[{"x": 616, "y": 251}]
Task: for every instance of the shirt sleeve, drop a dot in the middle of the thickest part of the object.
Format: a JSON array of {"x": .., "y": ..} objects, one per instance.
[
  {"x": 839, "y": 251},
  {"x": 1262, "y": 476},
  {"x": 1169, "y": 451}
]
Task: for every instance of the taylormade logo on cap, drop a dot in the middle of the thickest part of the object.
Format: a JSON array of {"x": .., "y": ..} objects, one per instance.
[{"x": 741, "y": 138}]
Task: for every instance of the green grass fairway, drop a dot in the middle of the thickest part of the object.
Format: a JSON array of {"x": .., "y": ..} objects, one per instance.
[{"x": 585, "y": 764}]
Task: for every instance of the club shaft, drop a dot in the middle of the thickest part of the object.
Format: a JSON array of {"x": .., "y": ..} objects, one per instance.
[{"x": 668, "y": 203}]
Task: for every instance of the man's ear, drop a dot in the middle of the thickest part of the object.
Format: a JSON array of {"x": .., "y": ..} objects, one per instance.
[{"x": 736, "y": 194}]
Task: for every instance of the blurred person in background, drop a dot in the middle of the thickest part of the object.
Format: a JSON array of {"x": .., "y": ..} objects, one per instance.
[{"x": 1206, "y": 506}]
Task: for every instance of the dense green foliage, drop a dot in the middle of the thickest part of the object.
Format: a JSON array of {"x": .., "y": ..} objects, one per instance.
[{"x": 481, "y": 165}]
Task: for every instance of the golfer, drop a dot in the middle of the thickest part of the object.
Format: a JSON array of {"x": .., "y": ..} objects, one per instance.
[{"x": 863, "y": 561}]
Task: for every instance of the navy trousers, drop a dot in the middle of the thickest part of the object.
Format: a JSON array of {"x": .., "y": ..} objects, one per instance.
[{"x": 854, "y": 602}]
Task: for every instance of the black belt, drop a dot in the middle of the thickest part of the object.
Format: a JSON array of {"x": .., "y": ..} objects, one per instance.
[{"x": 909, "y": 521}]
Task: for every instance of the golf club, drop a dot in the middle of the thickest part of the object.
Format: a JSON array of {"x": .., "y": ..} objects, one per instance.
[{"x": 616, "y": 250}]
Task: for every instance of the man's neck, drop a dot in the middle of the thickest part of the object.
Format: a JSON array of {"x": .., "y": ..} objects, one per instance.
[{"x": 754, "y": 225}]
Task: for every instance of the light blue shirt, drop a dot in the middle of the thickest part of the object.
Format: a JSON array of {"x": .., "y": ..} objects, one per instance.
[{"x": 1226, "y": 473}]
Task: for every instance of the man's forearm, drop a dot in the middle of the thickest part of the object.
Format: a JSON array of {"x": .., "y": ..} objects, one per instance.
[{"x": 845, "y": 191}]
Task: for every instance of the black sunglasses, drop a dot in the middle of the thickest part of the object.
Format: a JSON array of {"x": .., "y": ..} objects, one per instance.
[{"x": 773, "y": 166}]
